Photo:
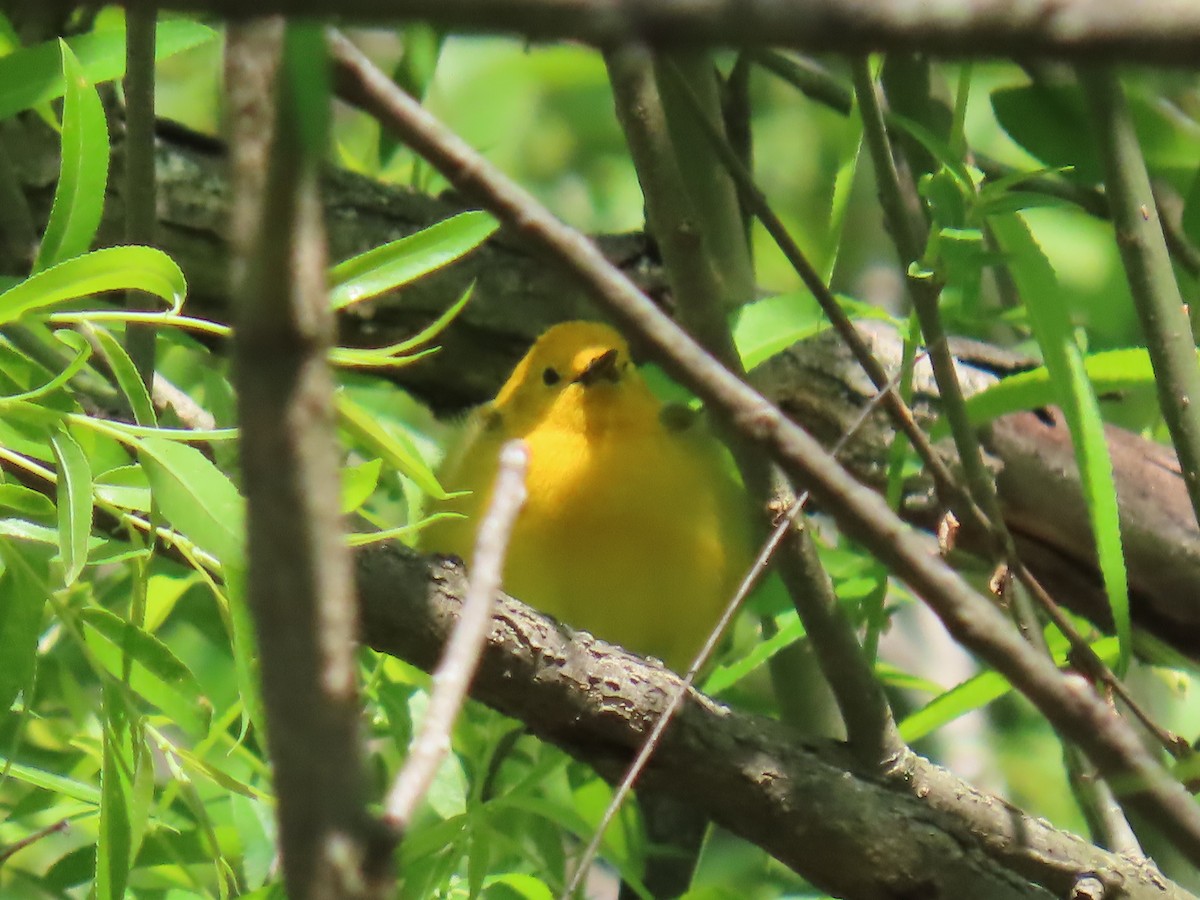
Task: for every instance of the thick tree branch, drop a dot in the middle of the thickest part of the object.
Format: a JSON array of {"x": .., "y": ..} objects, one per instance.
[
  {"x": 1153, "y": 31},
  {"x": 299, "y": 584},
  {"x": 853, "y": 830}
]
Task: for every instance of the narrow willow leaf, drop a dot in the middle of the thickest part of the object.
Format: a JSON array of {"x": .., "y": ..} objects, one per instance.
[
  {"x": 112, "y": 269},
  {"x": 83, "y": 174},
  {"x": 32, "y": 76},
  {"x": 20, "y": 619},
  {"x": 1051, "y": 323},
  {"x": 156, "y": 674},
  {"x": 124, "y": 486},
  {"x": 83, "y": 352},
  {"x": 25, "y": 501},
  {"x": 984, "y": 688},
  {"x": 1108, "y": 371},
  {"x": 404, "y": 352},
  {"x": 196, "y": 498},
  {"x": 358, "y": 482},
  {"x": 387, "y": 443},
  {"x": 74, "y": 494},
  {"x": 113, "y": 844},
  {"x": 400, "y": 262},
  {"x": 49, "y": 782},
  {"x": 724, "y": 677},
  {"x": 126, "y": 373},
  {"x": 145, "y": 649}
]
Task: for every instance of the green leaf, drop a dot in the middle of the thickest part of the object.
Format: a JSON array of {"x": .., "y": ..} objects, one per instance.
[
  {"x": 1108, "y": 371},
  {"x": 25, "y": 501},
  {"x": 358, "y": 482},
  {"x": 32, "y": 75},
  {"x": 400, "y": 262},
  {"x": 768, "y": 326},
  {"x": 1050, "y": 122},
  {"x": 982, "y": 689},
  {"x": 114, "y": 843},
  {"x": 527, "y": 886},
  {"x": 79, "y": 195},
  {"x": 74, "y": 493},
  {"x": 390, "y": 444},
  {"x": 124, "y": 486},
  {"x": 51, "y": 783},
  {"x": 939, "y": 150},
  {"x": 145, "y": 649},
  {"x": 790, "y": 630},
  {"x": 20, "y": 619},
  {"x": 961, "y": 699},
  {"x": 112, "y": 269},
  {"x": 157, "y": 675},
  {"x": 83, "y": 352},
  {"x": 1051, "y": 324},
  {"x": 195, "y": 497},
  {"x": 128, "y": 379}
]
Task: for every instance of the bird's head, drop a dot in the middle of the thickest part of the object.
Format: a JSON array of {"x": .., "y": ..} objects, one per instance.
[{"x": 577, "y": 375}]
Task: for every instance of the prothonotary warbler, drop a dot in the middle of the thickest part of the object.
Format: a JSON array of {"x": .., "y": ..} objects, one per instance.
[{"x": 634, "y": 529}]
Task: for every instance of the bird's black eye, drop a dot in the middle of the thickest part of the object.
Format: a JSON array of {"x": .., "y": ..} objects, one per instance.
[{"x": 551, "y": 376}]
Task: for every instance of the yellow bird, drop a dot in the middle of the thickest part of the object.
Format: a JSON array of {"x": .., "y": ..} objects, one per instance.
[{"x": 634, "y": 528}]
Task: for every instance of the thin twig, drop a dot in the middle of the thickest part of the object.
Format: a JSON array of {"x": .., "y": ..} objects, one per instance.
[
  {"x": 1085, "y": 657},
  {"x": 1148, "y": 269},
  {"x": 862, "y": 514},
  {"x": 1106, "y": 820},
  {"x": 10, "y": 849},
  {"x": 646, "y": 115},
  {"x": 461, "y": 656},
  {"x": 908, "y": 234},
  {"x": 897, "y": 409},
  {"x": 141, "y": 213}
]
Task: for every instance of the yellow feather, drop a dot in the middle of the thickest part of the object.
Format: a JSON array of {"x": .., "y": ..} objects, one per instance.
[{"x": 633, "y": 529}]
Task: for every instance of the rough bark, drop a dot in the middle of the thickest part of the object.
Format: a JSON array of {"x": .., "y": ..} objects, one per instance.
[{"x": 910, "y": 830}]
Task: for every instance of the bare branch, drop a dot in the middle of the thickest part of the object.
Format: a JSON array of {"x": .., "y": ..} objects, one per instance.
[
  {"x": 1148, "y": 268},
  {"x": 299, "y": 584},
  {"x": 1152, "y": 31},
  {"x": 916, "y": 829},
  {"x": 454, "y": 672},
  {"x": 140, "y": 184}
]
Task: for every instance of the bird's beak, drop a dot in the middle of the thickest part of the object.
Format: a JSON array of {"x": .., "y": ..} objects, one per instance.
[{"x": 602, "y": 368}]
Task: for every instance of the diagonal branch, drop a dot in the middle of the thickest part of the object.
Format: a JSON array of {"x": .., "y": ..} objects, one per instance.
[{"x": 851, "y": 829}]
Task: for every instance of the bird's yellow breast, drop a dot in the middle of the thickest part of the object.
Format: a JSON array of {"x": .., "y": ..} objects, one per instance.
[{"x": 630, "y": 530}]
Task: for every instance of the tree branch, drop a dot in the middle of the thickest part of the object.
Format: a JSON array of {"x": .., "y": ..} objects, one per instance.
[
  {"x": 1153, "y": 31},
  {"x": 299, "y": 583},
  {"x": 851, "y": 829},
  {"x": 1148, "y": 269}
]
